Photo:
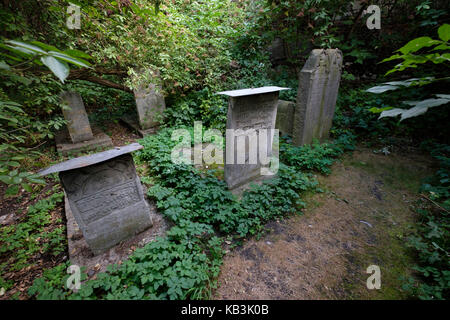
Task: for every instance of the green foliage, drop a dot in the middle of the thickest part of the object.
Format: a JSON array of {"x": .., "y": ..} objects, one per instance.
[
  {"x": 317, "y": 157},
  {"x": 204, "y": 105},
  {"x": 50, "y": 56},
  {"x": 110, "y": 104},
  {"x": 186, "y": 42},
  {"x": 431, "y": 242},
  {"x": 178, "y": 266},
  {"x": 411, "y": 58},
  {"x": 184, "y": 192},
  {"x": 354, "y": 113},
  {"x": 438, "y": 186},
  {"x": 19, "y": 129},
  {"x": 21, "y": 241},
  {"x": 306, "y": 20},
  {"x": 52, "y": 283}
]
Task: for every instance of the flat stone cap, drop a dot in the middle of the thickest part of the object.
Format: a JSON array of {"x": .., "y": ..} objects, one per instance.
[
  {"x": 91, "y": 159},
  {"x": 252, "y": 91}
]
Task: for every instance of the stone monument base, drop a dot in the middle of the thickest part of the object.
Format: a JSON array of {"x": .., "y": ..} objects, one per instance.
[
  {"x": 65, "y": 146},
  {"x": 133, "y": 124},
  {"x": 80, "y": 254}
]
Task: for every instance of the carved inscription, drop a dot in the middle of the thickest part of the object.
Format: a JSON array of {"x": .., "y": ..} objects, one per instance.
[
  {"x": 255, "y": 117},
  {"x": 98, "y": 205}
]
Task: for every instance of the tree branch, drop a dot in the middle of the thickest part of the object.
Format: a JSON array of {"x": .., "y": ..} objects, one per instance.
[{"x": 85, "y": 74}]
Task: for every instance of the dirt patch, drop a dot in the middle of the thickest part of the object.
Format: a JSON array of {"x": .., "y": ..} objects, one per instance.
[{"x": 362, "y": 218}]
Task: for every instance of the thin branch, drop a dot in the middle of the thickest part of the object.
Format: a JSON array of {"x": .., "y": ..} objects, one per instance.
[{"x": 436, "y": 204}]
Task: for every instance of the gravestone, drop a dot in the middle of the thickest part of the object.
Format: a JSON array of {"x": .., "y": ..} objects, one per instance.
[
  {"x": 285, "y": 117},
  {"x": 150, "y": 105},
  {"x": 77, "y": 135},
  {"x": 105, "y": 196},
  {"x": 317, "y": 93},
  {"x": 249, "y": 112}
]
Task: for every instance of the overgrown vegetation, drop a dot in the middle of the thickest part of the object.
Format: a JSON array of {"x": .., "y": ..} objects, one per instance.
[
  {"x": 199, "y": 48},
  {"x": 185, "y": 263},
  {"x": 432, "y": 240}
]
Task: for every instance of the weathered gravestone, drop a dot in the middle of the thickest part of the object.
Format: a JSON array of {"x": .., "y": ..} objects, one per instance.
[
  {"x": 250, "y": 133},
  {"x": 285, "y": 117},
  {"x": 75, "y": 114},
  {"x": 105, "y": 196},
  {"x": 317, "y": 94},
  {"x": 78, "y": 135},
  {"x": 150, "y": 105}
]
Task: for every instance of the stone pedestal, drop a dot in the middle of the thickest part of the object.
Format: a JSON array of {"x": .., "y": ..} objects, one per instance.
[
  {"x": 78, "y": 136},
  {"x": 250, "y": 133},
  {"x": 317, "y": 94},
  {"x": 105, "y": 196}
]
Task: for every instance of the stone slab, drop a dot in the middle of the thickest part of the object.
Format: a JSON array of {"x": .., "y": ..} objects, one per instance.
[
  {"x": 317, "y": 93},
  {"x": 106, "y": 199},
  {"x": 75, "y": 114},
  {"x": 285, "y": 117},
  {"x": 80, "y": 254},
  {"x": 252, "y": 91},
  {"x": 65, "y": 146},
  {"x": 91, "y": 159},
  {"x": 149, "y": 104},
  {"x": 133, "y": 123},
  {"x": 249, "y": 114}
]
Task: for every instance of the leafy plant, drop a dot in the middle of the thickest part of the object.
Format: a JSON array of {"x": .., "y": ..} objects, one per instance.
[
  {"x": 50, "y": 56},
  {"x": 19, "y": 129},
  {"x": 411, "y": 58}
]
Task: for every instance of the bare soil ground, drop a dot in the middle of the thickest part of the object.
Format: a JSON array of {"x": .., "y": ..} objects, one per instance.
[{"x": 362, "y": 218}]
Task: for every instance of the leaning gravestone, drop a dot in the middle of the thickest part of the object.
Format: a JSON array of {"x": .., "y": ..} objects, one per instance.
[
  {"x": 249, "y": 111},
  {"x": 105, "y": 196},
  {"x": 78, "y": 135},
  {"x": 317, "y": 94},
  {"x": 150, "y": 105}
]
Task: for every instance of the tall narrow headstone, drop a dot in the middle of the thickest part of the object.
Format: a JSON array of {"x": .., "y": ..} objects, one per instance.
[
  {"x": 75, "y": 114},
  {"x": 317, "y": 93},
  {"x": 78, "y": 135},
  {"x": 250, "y": 133},
  {"x": 285, "y": 117},
  {"x": 150, "y": 104},
  {"x": 105, "y": 196}
]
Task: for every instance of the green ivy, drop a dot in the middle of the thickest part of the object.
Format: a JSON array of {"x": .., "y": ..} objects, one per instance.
[{"x": 22, "y": 241}]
